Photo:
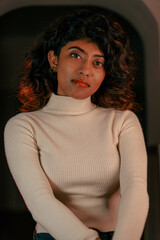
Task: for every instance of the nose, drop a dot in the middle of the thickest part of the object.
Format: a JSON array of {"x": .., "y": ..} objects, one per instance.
[{"x": 85, "y": 68}]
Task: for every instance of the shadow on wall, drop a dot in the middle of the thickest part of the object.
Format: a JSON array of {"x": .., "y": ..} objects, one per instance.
[{"x": 18, "y": 30}]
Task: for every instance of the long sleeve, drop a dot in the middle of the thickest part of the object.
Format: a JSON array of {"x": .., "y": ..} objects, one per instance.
[
  {"x": 23, "y": 160},
  {"x": 133, "y": 180}
]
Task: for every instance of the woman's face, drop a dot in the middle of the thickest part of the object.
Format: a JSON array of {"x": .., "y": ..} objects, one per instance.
[{"x": 80, "y": 68}]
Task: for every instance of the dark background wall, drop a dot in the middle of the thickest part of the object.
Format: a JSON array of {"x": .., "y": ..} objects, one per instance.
[{"x": 18, "y": 29}]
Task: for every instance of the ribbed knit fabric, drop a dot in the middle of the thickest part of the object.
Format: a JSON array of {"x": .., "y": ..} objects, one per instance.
[{"x": 79, "y": 166}]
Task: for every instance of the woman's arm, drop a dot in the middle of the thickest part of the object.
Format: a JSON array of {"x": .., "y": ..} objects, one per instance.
[
  {"x": 133, "y": 181},
  {"x": 23, "y": 160}
]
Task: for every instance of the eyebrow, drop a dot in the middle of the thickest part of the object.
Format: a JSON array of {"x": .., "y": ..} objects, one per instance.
[{"x": 80, "y": 49}]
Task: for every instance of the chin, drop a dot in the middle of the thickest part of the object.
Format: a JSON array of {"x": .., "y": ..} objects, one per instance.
[{"x": 80, "y": 96}]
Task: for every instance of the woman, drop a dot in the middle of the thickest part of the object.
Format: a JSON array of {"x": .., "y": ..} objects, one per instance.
[{"x": 77, "y": 151}]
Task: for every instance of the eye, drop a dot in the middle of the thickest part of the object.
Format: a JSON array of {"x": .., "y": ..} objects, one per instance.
[
  {"x": 98, "y": 64},
  {"x": 75, "y": 55}
]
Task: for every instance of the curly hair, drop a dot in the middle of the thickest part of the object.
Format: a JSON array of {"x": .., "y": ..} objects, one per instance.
[{"x": 37, "y": 82}]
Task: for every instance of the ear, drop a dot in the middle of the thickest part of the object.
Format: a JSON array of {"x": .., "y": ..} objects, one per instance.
[{"x": 53, "y": 60}]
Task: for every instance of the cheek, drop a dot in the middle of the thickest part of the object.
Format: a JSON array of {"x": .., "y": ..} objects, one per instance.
[
  {"x": 101, "y": 78},
  {"x": 65, "y": 70}
]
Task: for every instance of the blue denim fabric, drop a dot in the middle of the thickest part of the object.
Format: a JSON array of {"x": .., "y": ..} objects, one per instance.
[
  {"x": 46, "y": 236},
  {"x": 43, "y": 236}
]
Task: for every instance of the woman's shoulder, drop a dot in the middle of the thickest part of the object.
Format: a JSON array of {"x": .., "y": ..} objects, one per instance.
[
  {"x": 23, "y": 116},
  {"x": 18, "y": 121},
  {"x": 125, "y": 114},
  {"x": 121, "y": 119},
  {"x": 127, "y": 120},
  {"x": 120, "y": 114}
]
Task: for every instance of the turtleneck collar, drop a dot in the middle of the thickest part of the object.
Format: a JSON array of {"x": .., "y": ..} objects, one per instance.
[{"x": 68, "y": 106}]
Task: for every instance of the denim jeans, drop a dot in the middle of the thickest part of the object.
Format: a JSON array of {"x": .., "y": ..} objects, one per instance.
[
  {"x": 43, "y": 236},
  {"x": 46, "y": 236}
]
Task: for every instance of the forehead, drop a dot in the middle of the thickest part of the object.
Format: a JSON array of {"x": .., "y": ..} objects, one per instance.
[{"x": 84, "y": 44}]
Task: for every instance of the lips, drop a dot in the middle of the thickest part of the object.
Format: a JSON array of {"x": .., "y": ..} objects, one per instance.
[{"x": 81, "y": 83}]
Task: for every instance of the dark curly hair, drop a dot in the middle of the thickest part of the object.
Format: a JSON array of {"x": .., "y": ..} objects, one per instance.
[{"x": 37, "y": 82}]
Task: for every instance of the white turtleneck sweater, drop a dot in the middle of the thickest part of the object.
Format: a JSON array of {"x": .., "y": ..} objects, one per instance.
[{"x": 79, "y": 166}]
